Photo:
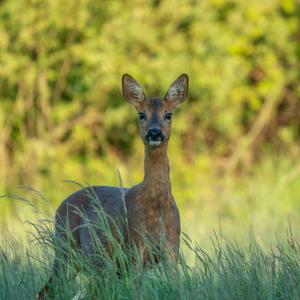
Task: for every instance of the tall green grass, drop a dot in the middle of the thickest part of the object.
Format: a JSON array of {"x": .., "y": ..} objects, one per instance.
[
  {"x": 229, "y": 272},
  {"x": 259, "y": 260},
  {"x": 225, "y": 271}
]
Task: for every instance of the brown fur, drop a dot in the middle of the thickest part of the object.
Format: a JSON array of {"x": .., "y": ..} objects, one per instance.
[{"x": 150, "y": 205}]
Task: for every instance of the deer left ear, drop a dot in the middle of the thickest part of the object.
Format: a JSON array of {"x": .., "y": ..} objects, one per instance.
[{"x": 178, "y": 90}]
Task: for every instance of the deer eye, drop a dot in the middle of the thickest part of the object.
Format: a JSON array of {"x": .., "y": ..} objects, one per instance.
[
  {"x": 168, "y": 116},
  {"x": 142, "y": 116}
]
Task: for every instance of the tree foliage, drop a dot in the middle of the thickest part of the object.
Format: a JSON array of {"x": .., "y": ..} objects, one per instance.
[{"x": 61, "y": 63}]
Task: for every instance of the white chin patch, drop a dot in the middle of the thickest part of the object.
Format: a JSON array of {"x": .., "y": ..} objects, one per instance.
[{"x": 154, "y": 143}]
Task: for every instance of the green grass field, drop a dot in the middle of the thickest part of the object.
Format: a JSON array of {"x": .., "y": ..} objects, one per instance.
[
  {"x": 227, "y": 272},
  {"x": 239, "y": 241}
]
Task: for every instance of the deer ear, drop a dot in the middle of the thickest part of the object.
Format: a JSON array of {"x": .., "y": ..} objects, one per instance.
[
  {"x": 178, "y": 90},
  {"x": 132, "y": 91}
]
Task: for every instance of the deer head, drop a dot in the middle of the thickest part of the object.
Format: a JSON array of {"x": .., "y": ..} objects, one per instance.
[{"x": 155, "y": 113}]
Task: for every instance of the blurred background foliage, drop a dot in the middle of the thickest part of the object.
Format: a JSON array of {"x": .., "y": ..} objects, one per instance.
[{"x": 235, "y": 147}]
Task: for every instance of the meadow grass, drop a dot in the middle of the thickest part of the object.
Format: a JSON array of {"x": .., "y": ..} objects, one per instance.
[
  {"x": 227, "y": 272},
  {"x": 252, "y": 255}
]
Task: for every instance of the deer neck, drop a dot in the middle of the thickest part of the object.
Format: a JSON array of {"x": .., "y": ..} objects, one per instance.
[{"x": 157, "y": 172}]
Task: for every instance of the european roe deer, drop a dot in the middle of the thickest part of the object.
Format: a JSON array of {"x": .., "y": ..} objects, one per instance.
[{"x": 150, "y": 206}]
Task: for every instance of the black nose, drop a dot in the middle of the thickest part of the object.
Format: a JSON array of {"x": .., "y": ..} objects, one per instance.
[{"x": 154, "y": 134}]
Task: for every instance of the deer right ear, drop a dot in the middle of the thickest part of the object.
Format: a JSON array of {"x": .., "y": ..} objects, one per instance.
[
  {"x": 178, "y": 90},
  {"x": 132, "y": 91}
]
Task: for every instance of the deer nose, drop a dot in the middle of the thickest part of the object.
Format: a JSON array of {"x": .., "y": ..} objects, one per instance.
[{"x": 154, "y": 134}]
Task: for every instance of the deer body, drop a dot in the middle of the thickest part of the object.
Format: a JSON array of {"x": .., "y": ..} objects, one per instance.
[{"x": 149, "y": 207}]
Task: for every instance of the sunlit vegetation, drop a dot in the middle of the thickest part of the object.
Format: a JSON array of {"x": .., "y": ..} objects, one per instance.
[{"x": 234, "y": 151}]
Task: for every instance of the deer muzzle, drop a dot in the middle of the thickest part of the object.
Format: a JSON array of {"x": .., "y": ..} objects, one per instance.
[{"x": 154, "y": 136}]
